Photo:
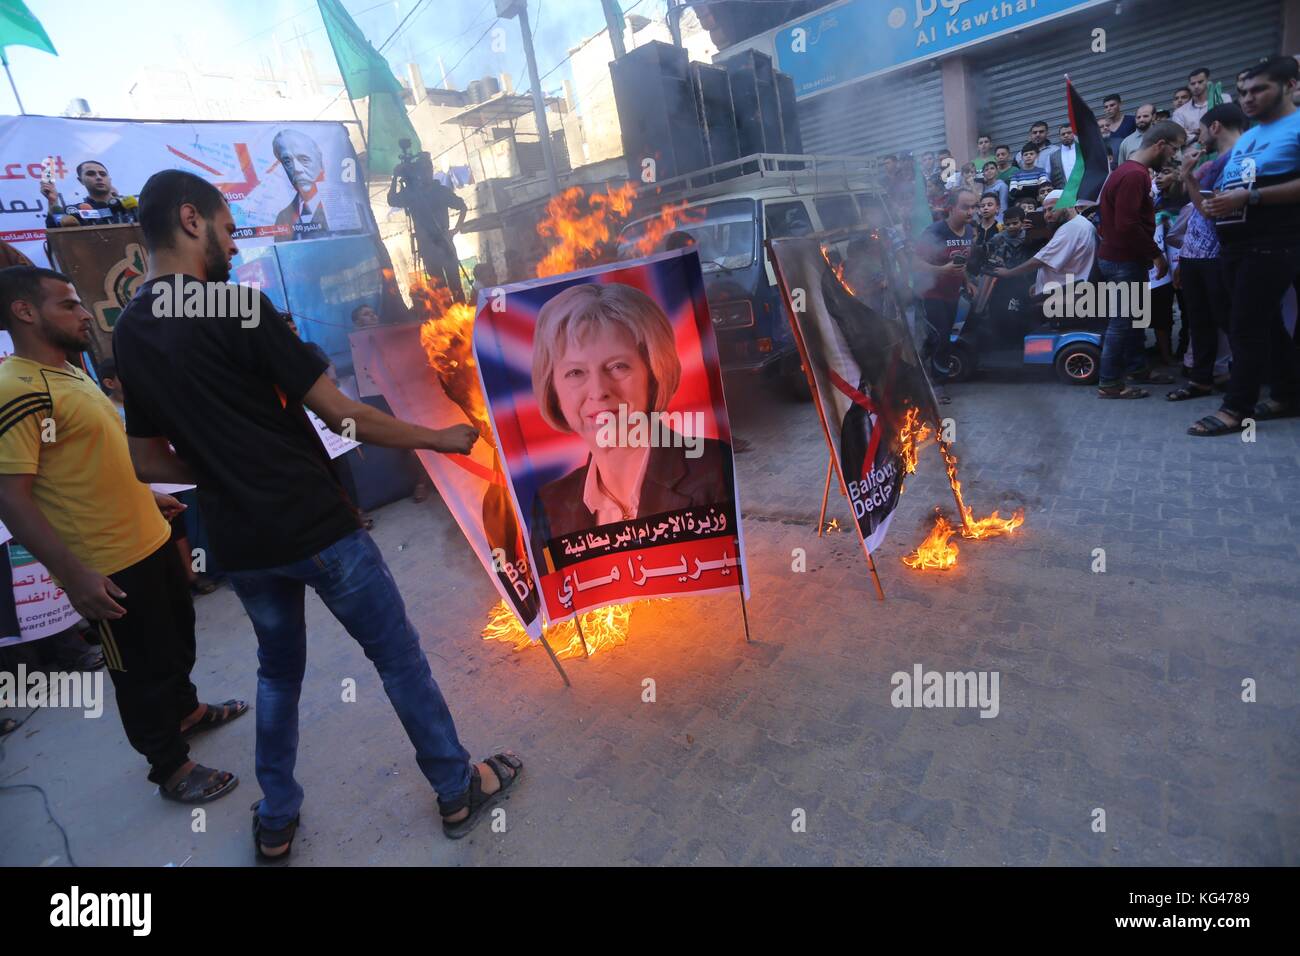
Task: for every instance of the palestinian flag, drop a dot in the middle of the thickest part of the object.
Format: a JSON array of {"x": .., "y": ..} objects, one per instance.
[{"x": 1092, "y": 165}]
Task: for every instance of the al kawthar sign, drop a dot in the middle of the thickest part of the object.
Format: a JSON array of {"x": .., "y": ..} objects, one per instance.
[{"x": 864, "y": 38}]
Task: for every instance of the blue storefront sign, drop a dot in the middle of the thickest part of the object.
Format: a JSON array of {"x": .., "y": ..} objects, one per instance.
[{"x": 864, "y": 38}]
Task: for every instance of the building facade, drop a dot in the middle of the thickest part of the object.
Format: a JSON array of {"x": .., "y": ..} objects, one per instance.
[{"x": 875, "y": 76}]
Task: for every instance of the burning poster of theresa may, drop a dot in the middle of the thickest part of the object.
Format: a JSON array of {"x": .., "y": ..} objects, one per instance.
[{"x": 605, "y": 392}]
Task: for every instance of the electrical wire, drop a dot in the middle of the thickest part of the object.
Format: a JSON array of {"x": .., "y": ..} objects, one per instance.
[
  {"x": 404, "y": 21},
  {"x": 45, "y": 797}
]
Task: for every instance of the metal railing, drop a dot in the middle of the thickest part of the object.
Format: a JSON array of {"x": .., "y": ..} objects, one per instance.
[{"x": 797, "y": 172}]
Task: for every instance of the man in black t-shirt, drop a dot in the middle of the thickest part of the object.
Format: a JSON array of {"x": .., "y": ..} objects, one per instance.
[
  {"x": 214, "y": 370},
  {"x": 942, "y": 254}
]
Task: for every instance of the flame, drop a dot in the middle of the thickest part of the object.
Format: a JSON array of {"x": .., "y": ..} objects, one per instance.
[
  {"x": 669, "y": 219},
  {"x": 603, "y": 628},
  {"x": 989, "y": 527},
  {"x": 838, "y": 270},
  {"x": 936, "y": 552},
  {"x": 910, "y": 437},
  {"x": 447, "y": 338},
  {"x": 833, "y": 525},
  {"x": 582, "y": 235}
]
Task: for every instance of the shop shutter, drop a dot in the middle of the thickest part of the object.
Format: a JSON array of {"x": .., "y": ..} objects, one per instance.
[
  {"x": 890, "y": 114},
  {"x": 1150, "y": 49}
]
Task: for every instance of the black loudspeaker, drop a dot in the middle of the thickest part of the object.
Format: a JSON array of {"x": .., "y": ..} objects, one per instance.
[
  {"x": 717, "y": 116},
  {"x": 754, "y": 96},
  {"x": 789, "y": 113},
  {"x": 657, "y": 112}
]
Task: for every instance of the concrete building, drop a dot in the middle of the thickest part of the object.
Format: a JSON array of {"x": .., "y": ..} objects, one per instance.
[
  {"x": 876, "y": 76},
  {"x": 602, "y": 137}
]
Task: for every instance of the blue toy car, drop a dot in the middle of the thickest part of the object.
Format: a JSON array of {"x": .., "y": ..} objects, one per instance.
[
  {"x": 1073, "y": 347},
  {"x": 1075, "y": 354}
]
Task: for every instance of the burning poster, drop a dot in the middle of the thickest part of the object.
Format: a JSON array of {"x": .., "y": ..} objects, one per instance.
[
  {"x": 605, "y": 393},
  {"x": 871, "y": 390},
  {"x": 474, "y": 485}
]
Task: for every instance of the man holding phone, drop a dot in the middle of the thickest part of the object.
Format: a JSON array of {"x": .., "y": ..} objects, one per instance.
[
  {"x": 1127, "y": 254},
  {"x": 1256, "y": 208},
  {"x": 1206, "y": 306},
  {"x": 942, "y": 252}
]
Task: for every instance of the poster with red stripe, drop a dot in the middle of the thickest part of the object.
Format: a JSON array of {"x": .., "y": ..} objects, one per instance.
[
  {"x": 865, "y": 369},
  {"x": 473, "y": 486},
  {"x": 605, "y": 394}
]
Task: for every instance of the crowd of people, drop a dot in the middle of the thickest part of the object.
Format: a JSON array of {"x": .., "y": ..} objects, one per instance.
[
  {"x": 220, "y": 403},
  {"x": 1200, "y": 208}
]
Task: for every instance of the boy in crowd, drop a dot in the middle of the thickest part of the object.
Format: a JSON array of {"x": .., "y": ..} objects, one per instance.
[
  {"x": 989, "y": 223},
  {"x": 1025, "y": 182}
]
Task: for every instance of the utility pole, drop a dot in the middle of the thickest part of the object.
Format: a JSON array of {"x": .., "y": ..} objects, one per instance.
[
  {"x": 675, "y": 11},
  {"x": 12, "y": 84},
  {"x": 519, "y": 8},
  {"x": 614, "y": 22}
]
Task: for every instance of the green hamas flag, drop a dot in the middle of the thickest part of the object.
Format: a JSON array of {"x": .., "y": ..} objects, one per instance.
[
  {"x": 921, "y": 215},
  {"x": 19, "y": 28},
  {"x": 1215, "y": 96},
  {"x": 366, "y": 74}
]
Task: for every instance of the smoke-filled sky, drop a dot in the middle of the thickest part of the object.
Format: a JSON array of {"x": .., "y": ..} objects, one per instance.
[{"x": 103, "y": 43}]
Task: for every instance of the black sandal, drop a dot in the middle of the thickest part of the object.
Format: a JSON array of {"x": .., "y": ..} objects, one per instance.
[
  {"x": 1270, "y": 409},
  {"x": 200, "y": 785},
  {"x": 1116, "y": 391},
  {"x": 1212, "y": 425},
  {"x": 273, "y": 839},
  {"x": 1185, "y": 392},
  {"x": 1152, "y": 378},
  {"x": 215, "y": 716},
  {"x": 475, "y": 799}
]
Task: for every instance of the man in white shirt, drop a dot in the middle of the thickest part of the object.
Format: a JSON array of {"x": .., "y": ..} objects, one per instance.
[
  {"x": 1061, "y": 162},
  {"x": 1068, "y": 255},
  {"x": 1188, "y": 116}
]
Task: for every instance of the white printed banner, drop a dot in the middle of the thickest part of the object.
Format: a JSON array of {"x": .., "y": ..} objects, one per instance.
[{"x": 284, "y": 181}]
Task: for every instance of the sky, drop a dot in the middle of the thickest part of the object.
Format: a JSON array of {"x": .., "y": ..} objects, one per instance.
[{"x": 102, "y": 43}]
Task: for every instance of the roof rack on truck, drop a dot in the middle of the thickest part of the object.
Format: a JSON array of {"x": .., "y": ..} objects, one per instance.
[{"x": 796, "y": 171}]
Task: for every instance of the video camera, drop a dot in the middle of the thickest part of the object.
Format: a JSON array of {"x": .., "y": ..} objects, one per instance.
[{"x": 407, "y": 161}]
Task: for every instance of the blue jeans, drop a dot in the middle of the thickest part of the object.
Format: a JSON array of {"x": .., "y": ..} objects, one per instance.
[
  {"x": 350, "y": 576},
  {"x": 1123, "y": 348}
]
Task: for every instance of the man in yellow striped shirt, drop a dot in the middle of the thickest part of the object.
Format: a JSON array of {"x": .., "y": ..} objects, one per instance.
[{"x": 69, "y": 493}]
